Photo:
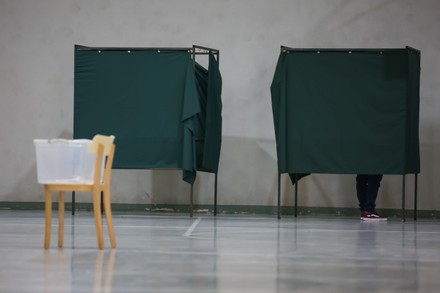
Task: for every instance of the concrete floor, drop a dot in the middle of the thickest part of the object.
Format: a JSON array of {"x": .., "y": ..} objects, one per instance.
[{"x": 175, "y": 253}]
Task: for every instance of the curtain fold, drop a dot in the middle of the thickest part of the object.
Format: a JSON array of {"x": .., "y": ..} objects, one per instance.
[{"x": 209, "y": 136}]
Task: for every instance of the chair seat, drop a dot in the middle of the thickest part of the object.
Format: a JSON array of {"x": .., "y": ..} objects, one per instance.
[
  {"x": 69, "y": 187},
  {"x": 70, "y": 182}
]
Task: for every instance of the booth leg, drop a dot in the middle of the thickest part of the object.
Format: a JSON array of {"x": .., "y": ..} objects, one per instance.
[
  {"x": 415, "y": 197},
  {"x": 296, "y": 195},
  {"x": 403, "y": 197},
  {"x": 215, "y": 195},
  {"x": 279, "y": 196},
  {"x": 191, "y": 211}
]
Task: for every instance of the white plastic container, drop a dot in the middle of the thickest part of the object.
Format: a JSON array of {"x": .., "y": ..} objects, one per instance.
[{"x": 62, "y": 161}]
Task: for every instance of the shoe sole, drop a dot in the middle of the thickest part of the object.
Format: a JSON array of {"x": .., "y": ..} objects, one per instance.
[{"x": 374, "y": 219}]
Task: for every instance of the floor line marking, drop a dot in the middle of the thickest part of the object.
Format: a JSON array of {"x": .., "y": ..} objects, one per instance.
[{"x": 192, "y": 227}]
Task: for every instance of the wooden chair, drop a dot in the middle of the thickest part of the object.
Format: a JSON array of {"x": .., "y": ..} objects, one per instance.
[{"x": 105, "y": 149}]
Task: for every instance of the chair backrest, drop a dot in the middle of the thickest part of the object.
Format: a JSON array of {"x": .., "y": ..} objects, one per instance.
[
  {"x": 106, "y": 141},
  {"x": 107, "y": 156}
]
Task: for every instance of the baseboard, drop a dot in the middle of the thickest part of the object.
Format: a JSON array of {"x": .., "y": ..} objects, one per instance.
[{"x": 226, "y": 209}]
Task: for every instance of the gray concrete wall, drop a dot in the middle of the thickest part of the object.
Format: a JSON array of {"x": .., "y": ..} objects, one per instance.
[{"x": 37, "y": 40}]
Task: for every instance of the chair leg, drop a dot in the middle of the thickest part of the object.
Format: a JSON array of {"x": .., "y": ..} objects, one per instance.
[
  {"x": 108, "y": 215},
  {"x": 98, "y": 218},
  {"x": 61, "y": 219},
  {"x": 48, "y": 208}
]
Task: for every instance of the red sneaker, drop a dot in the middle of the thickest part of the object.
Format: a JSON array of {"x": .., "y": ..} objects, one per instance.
[{"x": 372, "y": 216}]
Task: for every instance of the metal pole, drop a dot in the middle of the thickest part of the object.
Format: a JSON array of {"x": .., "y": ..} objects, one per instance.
[
  {"x": 279, "y": 196},
  {"x": 191, "y": 202},
  {"x": 194, "y": 58},
  {"x": 215, "y": 195},
  {"x": 415, "y": 196},
  {"x": 296, "y": 195},
  {"x": 403, "y": 197}
]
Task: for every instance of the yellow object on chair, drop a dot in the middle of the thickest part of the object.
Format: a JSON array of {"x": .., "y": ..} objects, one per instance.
[{"x": 104, "y": 147}]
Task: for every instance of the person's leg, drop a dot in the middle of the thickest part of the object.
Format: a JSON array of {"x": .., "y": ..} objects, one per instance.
[
  {"x": 361, "y": 190},
  {"x": 373, "y": 184}
]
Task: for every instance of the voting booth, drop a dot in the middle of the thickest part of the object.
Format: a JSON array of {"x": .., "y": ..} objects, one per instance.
[
  {"x": 347, "y": 111},
  {"x": 161, "y": 104}
]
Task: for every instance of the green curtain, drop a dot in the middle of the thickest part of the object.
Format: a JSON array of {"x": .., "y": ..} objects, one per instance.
[
  {"x": 147, "y": 99},
  {"x": 209, "y": 130},
  {"x": 347, "y": 111}
]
